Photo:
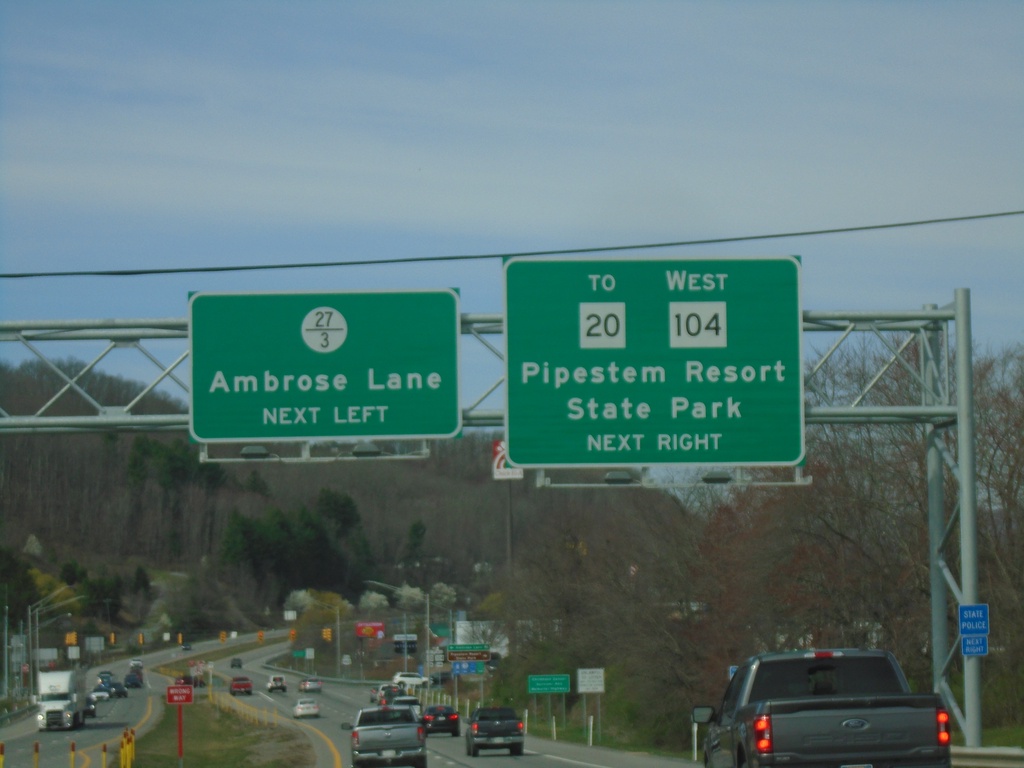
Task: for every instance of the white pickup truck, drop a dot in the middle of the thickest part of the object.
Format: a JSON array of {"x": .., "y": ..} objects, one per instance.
[{"x": 388, "y": 736}]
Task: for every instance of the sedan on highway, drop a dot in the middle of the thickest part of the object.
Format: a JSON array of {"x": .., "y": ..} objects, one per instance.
[
  {"x": 311, "y": 685},
  {"x": 306, "y": 708},
  {"x": 440, "y": 718},
  {"x": 132, "y": 680}
]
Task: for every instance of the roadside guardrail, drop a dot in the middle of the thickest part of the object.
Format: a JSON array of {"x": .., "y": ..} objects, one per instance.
[{"x": 988, "y": 757}]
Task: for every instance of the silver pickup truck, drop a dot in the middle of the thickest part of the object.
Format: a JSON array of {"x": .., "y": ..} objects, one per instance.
[
  {"x": 841, "y": 708},
  {"x": 388, "y": 736}
]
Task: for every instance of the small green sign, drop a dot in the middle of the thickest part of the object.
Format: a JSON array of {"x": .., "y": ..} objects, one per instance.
[
  {"x": 547, "y": 684},
  {"x": 306, "y": 366},
  {"x": 651, "y": 362}
]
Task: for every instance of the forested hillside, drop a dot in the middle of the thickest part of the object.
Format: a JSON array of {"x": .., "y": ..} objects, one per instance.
[{"x": 665, "y": 589}]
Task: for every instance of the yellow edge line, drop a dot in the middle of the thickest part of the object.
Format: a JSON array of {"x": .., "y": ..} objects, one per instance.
[
  {"x": 322, "y": 735},
  {"x": 294, "y": 722}
]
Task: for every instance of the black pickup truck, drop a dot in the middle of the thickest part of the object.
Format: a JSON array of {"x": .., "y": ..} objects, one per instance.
[
  {"x": 826, "y": 709},
  {"x": 494, "y": 728}
]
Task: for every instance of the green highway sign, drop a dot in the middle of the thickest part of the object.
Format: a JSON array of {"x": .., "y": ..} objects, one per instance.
[
  {"x": 547, "y": 684},
  {"x": 658, "y": 361},
  {"x": 303, "y": 366}
]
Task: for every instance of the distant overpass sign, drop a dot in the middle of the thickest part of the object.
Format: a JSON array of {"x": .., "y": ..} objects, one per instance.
[
  {"x": 657, "y": 361},
  {"x": 301, "y": 366}
]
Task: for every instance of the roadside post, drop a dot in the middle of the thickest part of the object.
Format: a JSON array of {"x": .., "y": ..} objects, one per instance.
[
  {"x": 590, "y": 681},
  {"x": 180, "y": 695}
]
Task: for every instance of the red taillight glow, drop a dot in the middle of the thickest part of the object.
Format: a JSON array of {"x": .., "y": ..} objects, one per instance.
[
  {"x": 763, "y": 734},
  {"x": 520, "y": 726},
  {"x": 421, "y": 733},
  {"x": 428, "y": 718},
  {"x": 355, "y": 739},
  {"x": 942, "y": 721},
  {"x": 476, "y": 727}
]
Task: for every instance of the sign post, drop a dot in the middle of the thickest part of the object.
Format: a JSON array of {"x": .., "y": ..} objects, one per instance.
[
  {"x": 649, "y": 362},
  {"x": 590, "y": 681},
  {"x": 180, "y": 695},
  {"x": 307, "y": 366}
]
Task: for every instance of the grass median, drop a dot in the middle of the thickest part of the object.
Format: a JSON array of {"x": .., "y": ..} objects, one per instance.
[{"x": 221, "y": 738}]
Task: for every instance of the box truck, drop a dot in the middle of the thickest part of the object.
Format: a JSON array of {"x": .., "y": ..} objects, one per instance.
[{"x": 61, "y": 699}]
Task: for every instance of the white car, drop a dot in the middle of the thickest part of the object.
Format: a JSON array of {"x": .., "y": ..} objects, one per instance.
[
  {"x": 306, "y": 708},
  {"x": 408, "y": 679},
  {"x": 101, "y": 692}
]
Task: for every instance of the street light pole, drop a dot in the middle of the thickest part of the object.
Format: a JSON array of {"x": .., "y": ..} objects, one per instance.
[
  {"x": 426, "y": 643},
  {"x": 46, "y": 609}
]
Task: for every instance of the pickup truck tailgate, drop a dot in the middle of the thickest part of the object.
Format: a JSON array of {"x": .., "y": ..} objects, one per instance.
[{"x": 898, "y": 730}]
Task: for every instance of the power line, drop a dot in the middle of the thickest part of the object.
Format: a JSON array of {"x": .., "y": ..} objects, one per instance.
[{"x": 483, "y": 256}]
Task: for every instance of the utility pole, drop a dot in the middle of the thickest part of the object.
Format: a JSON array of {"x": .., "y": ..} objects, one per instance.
[{"x": 6, "y": 648}]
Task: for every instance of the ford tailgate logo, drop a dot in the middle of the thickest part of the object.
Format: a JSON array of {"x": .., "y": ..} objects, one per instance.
[{"x": 856, "y": 723}]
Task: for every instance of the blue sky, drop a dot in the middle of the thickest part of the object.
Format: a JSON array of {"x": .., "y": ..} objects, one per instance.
[{"x": 191, "y": 134}]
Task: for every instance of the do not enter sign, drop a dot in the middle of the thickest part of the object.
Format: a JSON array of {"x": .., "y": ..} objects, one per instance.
[{"x": 179, "y": 694}]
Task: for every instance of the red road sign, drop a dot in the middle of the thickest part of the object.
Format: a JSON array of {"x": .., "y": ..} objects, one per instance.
[
  {"x": 370, "y": 629},
  {"x": 179, "y": 694}
]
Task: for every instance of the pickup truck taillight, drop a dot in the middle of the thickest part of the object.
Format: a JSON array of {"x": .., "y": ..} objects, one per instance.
[
  {"x": 763, "y": 734},
  {"x": 520, "y": 727},
  {"x": 421, "y": 734},
  {"x": 355, "y": 740},
  {"x": 942, "y": 721}
]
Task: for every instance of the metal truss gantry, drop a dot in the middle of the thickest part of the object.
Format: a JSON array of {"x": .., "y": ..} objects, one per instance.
[{"x": 942, "y": 402}]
